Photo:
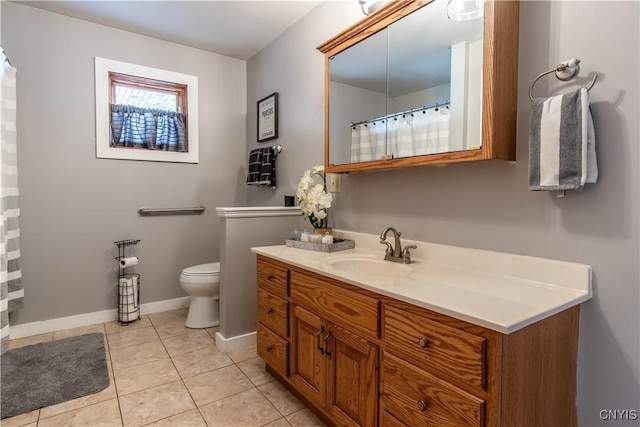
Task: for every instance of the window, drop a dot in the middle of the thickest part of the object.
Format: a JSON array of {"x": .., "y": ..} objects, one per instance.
[{"x": 144, "y": 113}]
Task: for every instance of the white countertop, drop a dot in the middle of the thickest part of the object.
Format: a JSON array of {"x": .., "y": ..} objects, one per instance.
[{"x": 499, "y": 291}]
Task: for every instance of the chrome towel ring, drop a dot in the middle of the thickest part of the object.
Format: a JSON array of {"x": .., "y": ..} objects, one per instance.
[{"x": 564, "y": 71}]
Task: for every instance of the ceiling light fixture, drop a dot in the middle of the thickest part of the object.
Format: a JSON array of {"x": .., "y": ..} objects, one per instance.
[{"x": 465, "y": 10}]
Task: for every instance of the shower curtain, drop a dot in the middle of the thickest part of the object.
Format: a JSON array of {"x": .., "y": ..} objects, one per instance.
[
  {"x": 11, "y": 291},
  {"x": 368, "y": 141},
  {"x": 411, "y": 134}
]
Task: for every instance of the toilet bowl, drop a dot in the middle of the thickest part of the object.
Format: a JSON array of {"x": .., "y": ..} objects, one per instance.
[{"x": 202, "y": 283}]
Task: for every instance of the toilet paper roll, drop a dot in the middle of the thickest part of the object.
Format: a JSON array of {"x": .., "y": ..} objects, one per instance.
[{"x": 128, "y": 262}]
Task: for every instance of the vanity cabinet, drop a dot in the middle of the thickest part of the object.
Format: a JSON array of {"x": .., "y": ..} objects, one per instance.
[
  {"x": 272, "y": 331},
  {"x": 359, "y": 358}
]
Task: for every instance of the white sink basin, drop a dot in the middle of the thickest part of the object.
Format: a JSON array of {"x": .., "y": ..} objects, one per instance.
[{"x": 369, "y": 266}]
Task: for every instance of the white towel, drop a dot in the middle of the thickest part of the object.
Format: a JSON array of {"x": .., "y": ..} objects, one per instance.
[{"x": 562, "y": 145}]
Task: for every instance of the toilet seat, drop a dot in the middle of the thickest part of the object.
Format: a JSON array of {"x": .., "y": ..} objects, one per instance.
[{"x": 210, "y": 269}]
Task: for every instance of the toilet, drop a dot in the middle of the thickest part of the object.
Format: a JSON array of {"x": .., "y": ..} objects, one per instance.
[{"x": 202, "y": 283}]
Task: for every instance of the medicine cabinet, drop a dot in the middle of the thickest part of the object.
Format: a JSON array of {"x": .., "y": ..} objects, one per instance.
[{"x": 408, "y": 86}]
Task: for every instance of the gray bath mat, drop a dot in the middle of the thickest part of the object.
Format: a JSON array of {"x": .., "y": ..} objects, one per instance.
[{"x": 52, "y": 372}]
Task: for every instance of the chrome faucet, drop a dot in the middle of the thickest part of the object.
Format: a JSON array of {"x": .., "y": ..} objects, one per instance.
[{"x": 396, "y": 254}]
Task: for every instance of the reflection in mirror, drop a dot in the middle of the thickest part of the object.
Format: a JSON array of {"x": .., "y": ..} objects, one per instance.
[
  {"x": 357, "y": 92},
  {"x": 431, "y": 83}
]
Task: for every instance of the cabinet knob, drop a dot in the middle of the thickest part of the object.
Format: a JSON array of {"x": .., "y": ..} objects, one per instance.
[
  {"x": 268, "y": 347},
  {"x": 269, "y": 310},
  {"x": 422, "y": 405},
  {"x": 423, "y": 342},
  {"x": 269, "y": 276}
]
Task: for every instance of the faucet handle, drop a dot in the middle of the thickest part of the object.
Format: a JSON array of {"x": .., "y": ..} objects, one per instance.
[
  {"x": 389, "y": 249},
  {"x": 406, "y": 254}
]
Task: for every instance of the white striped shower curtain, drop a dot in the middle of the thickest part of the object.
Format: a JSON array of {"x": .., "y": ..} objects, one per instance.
[
  {"x": 11, "y": 291},
  {"x": 412, "y": 134}
]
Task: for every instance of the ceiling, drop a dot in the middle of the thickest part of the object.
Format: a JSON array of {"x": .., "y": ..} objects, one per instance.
[
  {"x": 235, "y": 28},
  {"x": 410, "y": 55}
]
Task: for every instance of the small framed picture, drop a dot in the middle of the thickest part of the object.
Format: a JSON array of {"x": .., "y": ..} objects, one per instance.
[{"x": 268, "y": 118}]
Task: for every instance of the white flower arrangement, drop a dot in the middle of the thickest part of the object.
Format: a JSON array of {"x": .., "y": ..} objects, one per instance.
[{"x": 313, "y": 198}]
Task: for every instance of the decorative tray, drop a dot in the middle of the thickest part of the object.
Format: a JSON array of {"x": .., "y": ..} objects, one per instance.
[{"x": 337, "y": 245}]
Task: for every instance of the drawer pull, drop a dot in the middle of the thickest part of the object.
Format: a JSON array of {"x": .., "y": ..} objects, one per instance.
[
  {"x": 422, "y": 405},
  {"x": 326, "y": 352},
  {"x": 268, "y": 347},
  {"x": 269, "y": 310},
  {"x": 423, "y": 342},
  {"x": 269, "y": 277},
  {"x": 318, "y": 340}
]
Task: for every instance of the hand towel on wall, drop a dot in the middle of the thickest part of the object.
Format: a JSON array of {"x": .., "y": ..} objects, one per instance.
[
  {"x": 255, "y": 166},
  {"x": 562, "y": 154},
  {"x": 268, "y": 168}
]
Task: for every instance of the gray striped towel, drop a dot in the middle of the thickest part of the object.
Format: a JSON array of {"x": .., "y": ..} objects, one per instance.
[{"x": 562, "y": 145}]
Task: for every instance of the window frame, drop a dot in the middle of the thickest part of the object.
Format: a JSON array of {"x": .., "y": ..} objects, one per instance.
[{"x": 105, "y": 69}]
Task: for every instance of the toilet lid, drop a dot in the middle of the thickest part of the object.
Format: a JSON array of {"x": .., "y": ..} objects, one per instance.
[{"x": 210, "y": 269}]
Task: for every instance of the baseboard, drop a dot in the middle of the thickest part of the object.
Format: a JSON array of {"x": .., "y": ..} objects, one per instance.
[
  {"x": 86, "y": 319},
  {"x": 227, "y": 345},
  {"x": 166, "y": 305}
]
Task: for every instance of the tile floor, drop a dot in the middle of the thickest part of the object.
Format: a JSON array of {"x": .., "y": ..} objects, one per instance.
[{"x": 164, "y": 374}]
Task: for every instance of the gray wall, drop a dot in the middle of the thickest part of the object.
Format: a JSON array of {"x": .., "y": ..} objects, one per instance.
[
  {"x": 488, "y": 205},
  {"x": 294, "y": 68},
  {"x": 238, "y": 277},
  {"x": 74, "y": 206}
]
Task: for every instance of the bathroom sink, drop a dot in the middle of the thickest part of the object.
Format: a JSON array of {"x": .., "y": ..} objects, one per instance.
[{"x": 369, "y": 266}]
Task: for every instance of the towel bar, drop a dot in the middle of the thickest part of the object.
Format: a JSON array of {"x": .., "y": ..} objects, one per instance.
[
  {"x": 169, "y": 211},
  {"x": 564, "y": 71}
]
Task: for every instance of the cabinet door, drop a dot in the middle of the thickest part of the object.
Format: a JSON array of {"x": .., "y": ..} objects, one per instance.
[
  {"x": 352, "y": 379},
  {"x": 308, "y": 364}
]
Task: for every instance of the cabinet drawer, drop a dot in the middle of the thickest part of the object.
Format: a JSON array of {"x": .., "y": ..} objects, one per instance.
[
  {"x": 418, "y": 398},
  {"x": 273, "y": 312},
  {"x": 273, "y": 350},
  {"x": 273, "y": 278},
  {"x": 455, "y": 354},
  {"x": 388, "y": 420},
  {"x": 340, "y": 305}
]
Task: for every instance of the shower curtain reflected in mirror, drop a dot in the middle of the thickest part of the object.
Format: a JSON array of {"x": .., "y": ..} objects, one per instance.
[
  {"x": 416, "y": 133},
  {"x": 11, "y": 291}
]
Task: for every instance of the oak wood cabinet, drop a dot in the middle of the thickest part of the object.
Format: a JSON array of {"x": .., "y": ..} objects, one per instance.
[
  {"x": 272, "y": 331},
  {"x": 358, "y": 358},
  {"x": 334, "y": 368}
]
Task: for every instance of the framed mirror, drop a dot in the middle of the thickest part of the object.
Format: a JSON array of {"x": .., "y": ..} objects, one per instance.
[{"x": 410, "y": 86}]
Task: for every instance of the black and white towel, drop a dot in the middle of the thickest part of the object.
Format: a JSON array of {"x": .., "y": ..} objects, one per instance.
[
  {"x": 255, "y": 166},
  {"x": 268, "y": 169},
  {"x": 262, "y": 167},
  {"x": 562, "y": 153}
]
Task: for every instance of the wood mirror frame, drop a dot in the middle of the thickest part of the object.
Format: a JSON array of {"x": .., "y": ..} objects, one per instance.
[{"x": 499, "y": 84}]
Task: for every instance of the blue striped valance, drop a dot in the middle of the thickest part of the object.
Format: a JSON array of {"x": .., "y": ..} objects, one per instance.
[{"x": 147, "y": 128}]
